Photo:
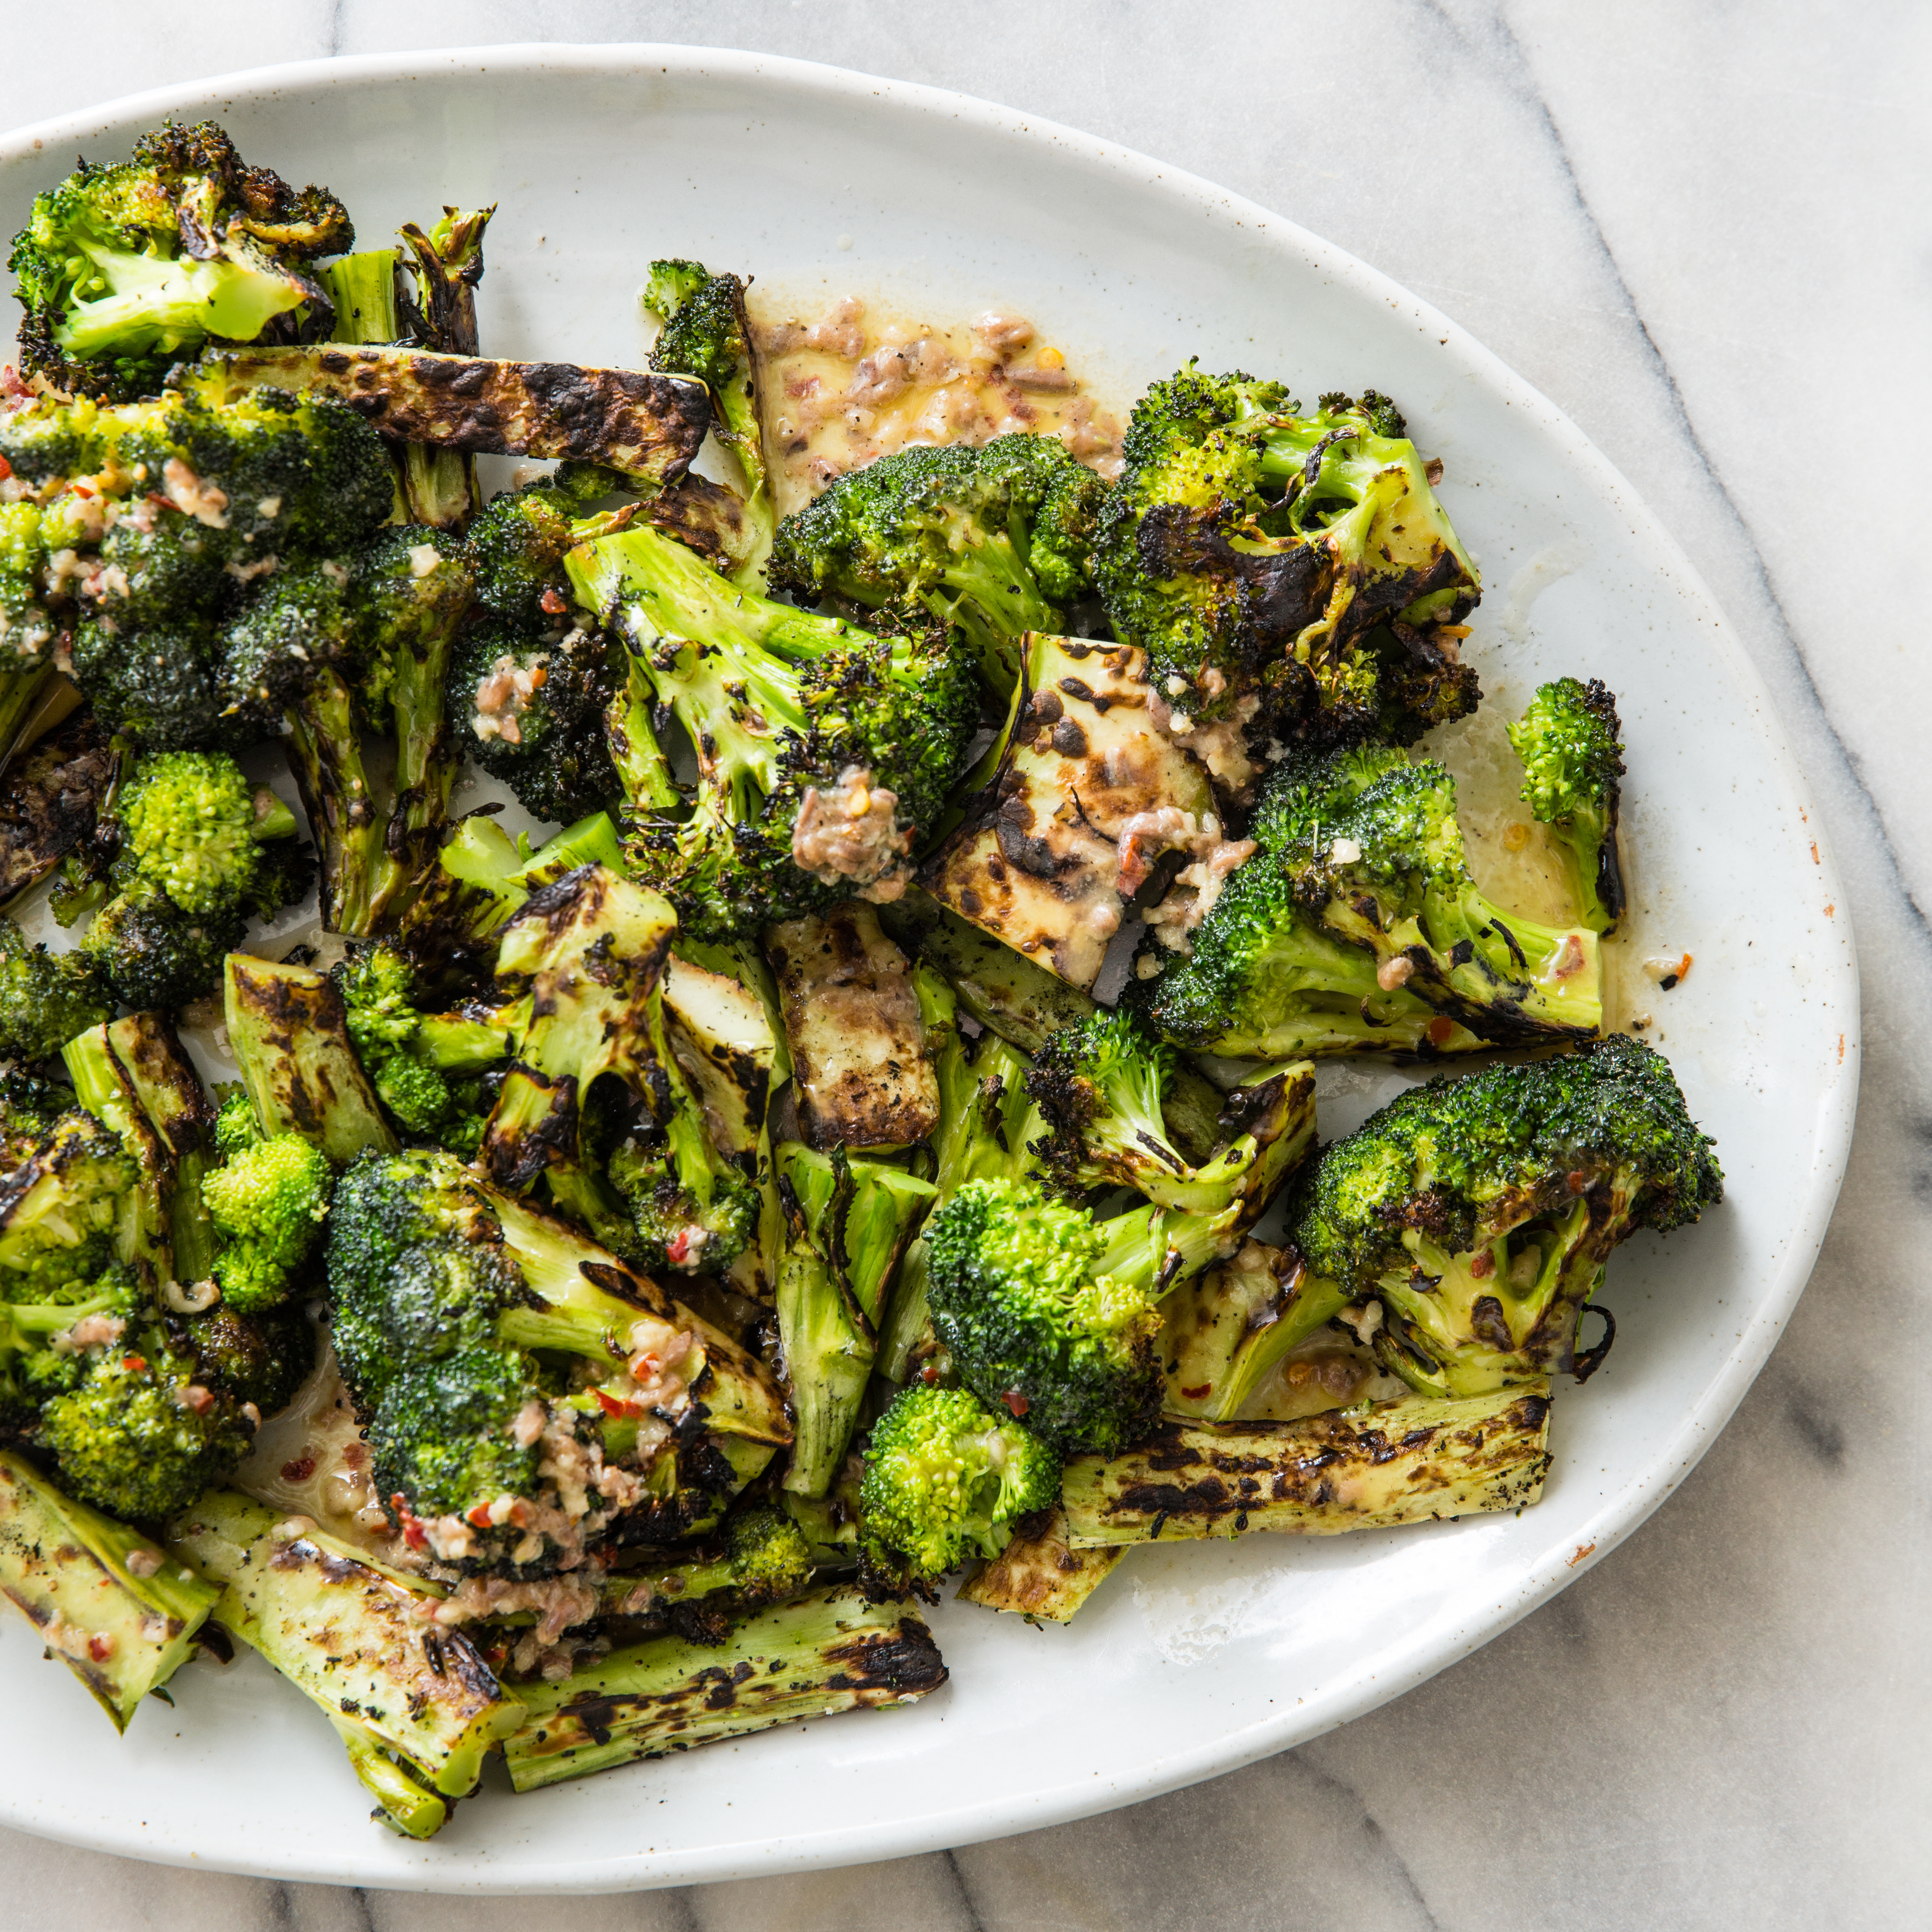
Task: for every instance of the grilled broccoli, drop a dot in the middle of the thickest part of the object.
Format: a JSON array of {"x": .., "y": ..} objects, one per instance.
[
  {"x": 759, "y": 1556},
  {"x": 706, "y": 333},
  {"x": 1296, "y": 571},
  {"x": 46, "y": 998},
  {"x": 154, "y": 955},
  {"x": 69, "y": 1210},
  {"x": 190, "y": 824},
  {"x": 1569, "y": 741},
  {"x": 1033, "y": 1325},
  {"x": 945, "y": 1479},
  {"x": 1357, "y": 927},
  {"x": 823, "y": 751},
  {"x": 123, "y": 269},
  {"x": 512, "y": 1374},
  {"x": 263, "y": 1358},
  {"x": 995, "y": 540},
  {"x": 1479, "y": 1212},
  {"x": 267, "y": 1204},
  {"x": 846, "y": 1223}
]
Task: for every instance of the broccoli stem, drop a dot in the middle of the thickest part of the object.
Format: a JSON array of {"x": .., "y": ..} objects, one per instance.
[
  {"x": 325, "y": 748},
  {"x": 643, "y": 769},
  {"x": 428, "y": 757},
  {"x": 22, "y": 694}
]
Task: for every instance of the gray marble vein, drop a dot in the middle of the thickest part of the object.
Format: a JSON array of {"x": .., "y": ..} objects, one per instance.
[{"x": 1706, "y": 231}]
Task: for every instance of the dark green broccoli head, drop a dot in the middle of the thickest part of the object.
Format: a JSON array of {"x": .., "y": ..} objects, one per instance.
[
  {"x": 698, "y": 1213},
  {"x": 704, "y": 332},
  {"x": 268, "y": 654},
  {"x": 409, "y": 588},
  {"x": 154, "y": 955},
  {"x": 1357, "y": 925},
  {"x": 46, "y": 439},
  {"x": 515, "y": 549},
  {"x": 1031, "y": 1328},
  {"x": 1097, "y": 1085},
  {"x": 1482, "y": 1211},
  {"x": 46, "y": 998},
  {"x": 1570, "y": 742},
  {"x": 1253, "y": 553},
  {"x": 262, "y": 1358},
  {"x": 47, "y": 1347},
  {"x": 945, "y": 1479},
  {"x": 528, "y": 707},
  {"x": 66, "y": 1210},
  {"x": 267, "y": 1204},
  {"x": 124, "y": 268},
  {"x": 994, "y": 539},
  {"x": 28, "y": 1108},
  {"x": 443, "y": 1438},
  {"x": 162, "y": 570},
  {"x": 157, "y": 687}
]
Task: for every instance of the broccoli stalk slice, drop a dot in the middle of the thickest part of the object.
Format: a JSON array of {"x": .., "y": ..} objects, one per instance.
[
  {"x": 325, "y": 747},
  {"x": 446, "y": 264},
  {"x": 846, "y": 1223},
  {"x": 591, "y": 840},
  {"x": 361, "y": 287},
  {"x": 403, "y": 1803},
  {"x": 1040, "y": 1574},
  {"x": 123, "y": 1632},
  {"x": 350, "y": 1636},
  {"x": 643, "y": 770},
  {"x": 814, "y": 1656},
  {"x": 1415, "y": 1460},
  {"x": 761, "y": 1556}
]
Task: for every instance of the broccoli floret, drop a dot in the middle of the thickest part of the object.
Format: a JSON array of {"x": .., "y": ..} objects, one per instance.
[
  {"x": 267, "y": 1204},
  {"x": 40, "y": 1356},
  {"x": 529, "y": 709},
  {"x": 945, "y": 1479},
  {"x": 516, "y": 549},
  {"x": 1569, "y": 741},
  {"x": 155, "y": 688},
  {"x": 190, "y": 825},
  {"x": 691, "y": 1207},
  {"x": 761, "y": 1556},
  {"x": 995, "y": 540},
  {"x": 706, "y": 333},
  {"x": 823, "y": 751},
  {"x": 1032, "y": 1324},
  {"x": 235, "y": 1126},
  {"x": 45, "y": 998},
  {"x": 263, "y": 1356},
  {"x": 1358, "y": 926},
  {"x": 122, "y": 268},
  {"x": 154, "y": 955},
  {"x": 1481, "y": 1211},
  {"x": 69, "y": 1211},
  {"x": 475, "y": 1339},
  {"x": 1296, "y": 566}
]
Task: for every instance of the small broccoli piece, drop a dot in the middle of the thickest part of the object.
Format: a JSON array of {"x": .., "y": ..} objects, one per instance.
[
  {"x": 124, "y": 268},
  {"x": 1358, "y": 926},
  {"x": 154, "y": 955},
  {"x": 235, "y": 1126},
  {"x": 692, "y": 1208},
  {"x": 445, "y": 265},
  {"x": 760, "y": 1556},
  {"x": 945, "y": 1479},
  {"x": 706, "y": 333},
  {"x": 515, "y": 549},
  {"x": 262, "y": 1357},
  {"x": 40, "y": 1358},
  {"x": 1032, "y": 1324},
  {"x": 1570, "y": 742},
  {"x": 68, "y": 1211},
  {"x": 45, "y": 998},
  {"x": 995, "y": 540},
  {"x": 1481, "y": 1211},
  {"x": 1294, "y": 572},
  {"x": 155, "y": 688},
  {"x": 192, "y": 826},
  {"x": 268, "y": 1203},
  {"x": 823, "y": 751}
]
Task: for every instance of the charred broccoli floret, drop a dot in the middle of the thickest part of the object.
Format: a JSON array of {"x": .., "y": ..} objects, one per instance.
[
  {"x": 262, "y": 1357},
  {"x": 706, "y": 333},
  {"x": 759, "y": 1556},
  {"x": 1358, "y": 927},
  {"x": 46, "y": 998},
  {"x": 1033, "y": 1324},
  {"x": 1481, "y": 1212},
  {"x": 1569, "y": 741},
  {"x": 267, "y": 1204},
  {"x": 122, "y": 268},
  {"x": 945, "y": 1479},
  {"x": 823, "y": 751},
  {"x": 154, "y": 955},
  {"x": 995, "y": 540},
  {"x": 1299, "y": 566}
]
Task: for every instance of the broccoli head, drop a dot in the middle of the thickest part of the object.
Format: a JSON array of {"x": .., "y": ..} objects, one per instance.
[
  {"x": 267, "y": 1204},
  {"x": 191, "y": 826},
  {"x": 262, "y": 1357},
  {"x": 154, "y": 955},
  {"x": 1293, "y": 570},
  {"x": 1481, "y": 1211},
  {"x": 823, "y": 751},
  {"x": 1569, "y": 741},
  {"x": 1032, "y": 1326},
  {"x": 759, "y": 1555},
  {"x": 995, "y": 540},
  {"x": 124, "y": 268},
  {"x": 945, "y": 1479},
  {"x": 1358, "y": 927},
  {"x": 516, "y": 548},
  {"x": 45, "y": 998}
]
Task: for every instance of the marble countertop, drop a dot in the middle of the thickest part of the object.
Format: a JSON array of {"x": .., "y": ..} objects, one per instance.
[{"x": 1704, "y": 231}]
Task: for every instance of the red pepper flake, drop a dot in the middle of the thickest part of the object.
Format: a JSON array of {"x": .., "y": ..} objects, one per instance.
[
  {"x": 135, "y": 1365},
  {"x": 929, "y": 1375},
  {"x": 414, "y": 1535},
  {"x": 479, "y": 1516},
  {"x": 1017, "y": 1402},
  {"x": 6, "y": 469},
  {"x": 617, "y": 1406},
  {"x": 300, "y": 1470},
  {"x": 1196, "y": 1394},
  {"x": 552, "y": 602},
  {"x": 1440, "y": 1029},
  {"x": 101, "y": 1648},
  {"x": 82, "y": 489},
  {"x": 1482, "y": 1262},
  {"x": 1578, "y": 1179},
  {"x": 677, "y": 1249}
]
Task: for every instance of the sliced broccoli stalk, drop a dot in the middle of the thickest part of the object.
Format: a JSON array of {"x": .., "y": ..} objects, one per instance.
[
  {"x": 447, "y": 926},
  {"x": 706, "y": 333},
  {"x": 945, "y": 1480},
  {"x": 846, "y": 1223},
  {"x": 123, "y": 268},
  {"x": 1039, "y": 1574},
  {"x": 362, "y": 291},
  {"x": 1570, "y": 742},
  {"x": 105, "y": 1599},
  {"x": 994, "y": 539},
  {"x": 812, "y": 1656},
  {"x": 289, "y": 1030},
  {"x": 445, "y": 265},
  {"x": 760, "y": 1556},
  {"x": 1480, "y": 1213},
  {"x": 352, "y": 1638},
  {"x": 781, "y": 704},
  {"x": 1420, "y": 1460}
]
